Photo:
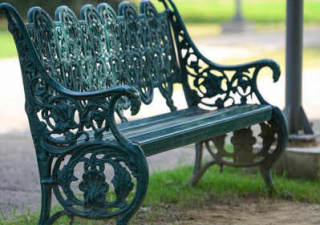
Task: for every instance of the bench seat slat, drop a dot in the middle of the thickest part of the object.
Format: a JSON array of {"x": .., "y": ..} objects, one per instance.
[
  {"x": 168, "y": 131},
  {"x": 163, "y": 118}
]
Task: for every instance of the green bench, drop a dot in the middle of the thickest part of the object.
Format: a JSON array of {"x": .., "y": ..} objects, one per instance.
[{"x": 81, "y": 75}]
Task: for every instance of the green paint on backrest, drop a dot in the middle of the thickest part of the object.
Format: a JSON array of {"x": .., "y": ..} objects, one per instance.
[{"x": 104, "y": 49}]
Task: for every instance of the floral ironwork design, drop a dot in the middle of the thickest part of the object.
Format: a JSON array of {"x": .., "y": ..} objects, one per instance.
[
  {"x": 62, "y": 120},
  {"x": 210, "y": 84},
  {"x": 103, "y": 50},
  {"x": 243, "y": 152},
  {"x": 100, "y": 51},
  {"x": 105, "y": 193},
  {"x": 243, "y": 142},
  {"x": 94, "y": 185},
  {"x": 78, "y": 73}
]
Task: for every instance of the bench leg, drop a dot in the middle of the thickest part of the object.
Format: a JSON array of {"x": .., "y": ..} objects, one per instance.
[
  {"x": 199, "y": 168},
  {"x": 267, "y": 177},
  {"x": 279, "y": 125},
  {"x": 111, "y": 182},
  {"x": 243, "y": 153},
  {"x": 142, "y": 179},
  {"x": 198, "y": 160},
  {"x": 45, "y": 163},
  {"x": 46, "y": 194},
  {"x": 197, "y": 165}
]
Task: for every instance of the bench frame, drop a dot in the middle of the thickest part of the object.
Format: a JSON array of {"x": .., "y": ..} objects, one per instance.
[{"x": 123, "y": 151}]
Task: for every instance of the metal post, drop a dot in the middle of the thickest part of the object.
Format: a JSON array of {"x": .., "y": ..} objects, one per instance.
[
  {"x": 238, "y": 15},
  {"x": 294, "y": 111},
  {"x": 237, "y": 23}
]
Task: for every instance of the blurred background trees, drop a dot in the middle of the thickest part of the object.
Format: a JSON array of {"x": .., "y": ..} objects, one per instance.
[
  {"x": 50, "y": 6},
  {"x": 195, "y": 11}
]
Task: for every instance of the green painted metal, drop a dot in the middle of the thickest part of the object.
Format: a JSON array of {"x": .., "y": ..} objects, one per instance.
[
  {"x": 191, "y": 125},
  {"x": 80, "y": 74}
]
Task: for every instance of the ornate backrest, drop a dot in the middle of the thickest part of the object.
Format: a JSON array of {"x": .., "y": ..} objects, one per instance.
[
  {"x": 103, "y": 49},
  {"x": 99, "y": 51}
]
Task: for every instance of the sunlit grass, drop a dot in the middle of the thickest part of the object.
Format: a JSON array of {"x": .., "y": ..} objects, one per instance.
[
  {"x": 7, "y": 46},
  {"x": 258, "y": 11},
  {"x": 231, "y": 182},
  {"x": 204, "y": 17}
]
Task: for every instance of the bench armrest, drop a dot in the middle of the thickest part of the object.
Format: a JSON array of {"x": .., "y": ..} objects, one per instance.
[
  {"x": 95, "y": 109},
  {"x": 211, "y": 84},
  {"x": 237, "y": 78},
  {"x": 214, "y": 80},
  {"x": 98, "y": 106},
  {"x": 114, "y": 92},
  {"x": 109, "y": 98}
]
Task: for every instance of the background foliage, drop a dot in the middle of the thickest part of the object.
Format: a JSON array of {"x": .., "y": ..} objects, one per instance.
[
  {"x": 23, "y": 5},
  {"x": 195, "y": 11}
]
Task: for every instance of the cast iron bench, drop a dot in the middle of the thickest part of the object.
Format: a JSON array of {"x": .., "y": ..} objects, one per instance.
[{"x": 79, "y": 77}]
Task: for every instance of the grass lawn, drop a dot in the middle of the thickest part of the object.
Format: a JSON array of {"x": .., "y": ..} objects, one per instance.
[
  {"x": 168, "y": 188},
  {"x": 204, "y": 17},
  {"x": 258, "y": 11},
  {"x": 7, "y": 46}
]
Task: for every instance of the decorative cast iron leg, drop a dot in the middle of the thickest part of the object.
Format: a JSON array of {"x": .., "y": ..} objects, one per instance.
[
  {"x": 123, "y": 221},
  {"x": 130, "y": 176},
  {"x": 142, "y": 190},
  {"x": 199, "y": 155},
  {"x": 280, "y": 127},
  {"x": 200, "y": 169},
  {"x": 243, "y": 154},
  {"x": 45, "y": 204},
  {"x": 142, "y": 177},
  {"x": 197, "y": 165},
  {"x": 58, "y": 215},
  {"x": 45, "y": 164},
  {"x": 267, "y": 177}
]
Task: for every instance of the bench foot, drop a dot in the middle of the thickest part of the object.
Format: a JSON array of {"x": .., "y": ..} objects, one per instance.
[
  {"x": 123, "y": 221},
  {"x": 54, "y": 218}
]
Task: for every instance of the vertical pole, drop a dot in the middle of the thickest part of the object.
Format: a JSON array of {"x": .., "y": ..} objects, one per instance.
[
  {"x": 294, "y": 46},
  {"x": 238, "y": 16},
  {"x": 237, "y": 22}
]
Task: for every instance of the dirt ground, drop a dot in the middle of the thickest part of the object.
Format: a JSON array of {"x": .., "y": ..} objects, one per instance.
[{"x": 235, "y": 212}]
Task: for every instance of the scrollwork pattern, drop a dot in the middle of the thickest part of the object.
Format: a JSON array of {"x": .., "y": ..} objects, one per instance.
[
  {"x": 210, "y": 84},
  {"x": 103, "y": 50},
  {"x": 244, "y": 152},
  {"x": 100, "y": 51},
  {"x": 112, "y": 183},
  {"x": 78, "y": 73}
]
